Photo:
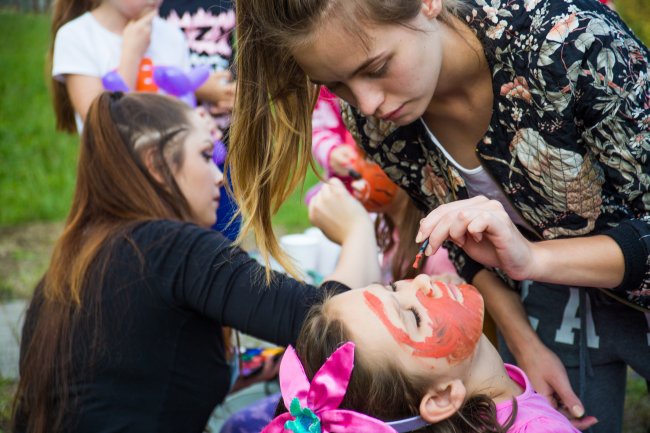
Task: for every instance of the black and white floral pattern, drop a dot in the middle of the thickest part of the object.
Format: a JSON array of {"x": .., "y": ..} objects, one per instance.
[{"x": 569, "y": 138}]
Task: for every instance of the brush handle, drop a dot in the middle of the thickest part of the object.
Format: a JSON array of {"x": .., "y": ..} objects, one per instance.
[{"x": 424, "y": 246}]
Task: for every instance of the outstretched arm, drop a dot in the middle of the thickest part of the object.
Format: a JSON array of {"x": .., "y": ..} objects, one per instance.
[
  {"x": 83, "y": 89},
  {"x": 344, "y": 220},
  {"x": 484, "y": 230}
]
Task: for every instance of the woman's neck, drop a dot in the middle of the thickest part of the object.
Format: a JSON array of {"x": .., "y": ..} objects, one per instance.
[
  {"x": 488, "y": 375},
  {"x": 110, "y": 18},
  {"x": 464, "y": 74}
]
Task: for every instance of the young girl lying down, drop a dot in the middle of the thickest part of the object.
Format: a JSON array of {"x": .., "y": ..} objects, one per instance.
[{"x": 418, "y": 361}]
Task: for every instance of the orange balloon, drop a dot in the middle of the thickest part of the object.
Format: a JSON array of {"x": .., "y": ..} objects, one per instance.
[{"x": 145, "y": 82}]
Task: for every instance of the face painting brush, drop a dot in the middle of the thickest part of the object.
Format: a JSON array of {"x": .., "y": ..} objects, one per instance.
[{"x": 420, "y": 254}]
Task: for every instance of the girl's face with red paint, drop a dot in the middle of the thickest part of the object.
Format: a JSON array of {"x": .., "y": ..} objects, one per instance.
[{"x": 422, "y": 321}]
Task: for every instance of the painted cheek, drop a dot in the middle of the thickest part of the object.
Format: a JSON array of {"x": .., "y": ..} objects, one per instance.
[{"x": 455, "y": 327}]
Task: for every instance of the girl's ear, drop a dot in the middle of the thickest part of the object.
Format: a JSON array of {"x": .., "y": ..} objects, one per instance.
[
  {"x": 149, "y": 159},
  {"x": 431, "y": 8},
  {"x": 442, "y": 401}
]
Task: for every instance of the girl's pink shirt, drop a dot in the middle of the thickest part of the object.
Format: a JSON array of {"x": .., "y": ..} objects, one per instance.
[
  {"x": 534, "y": 413},
  {"x": 328, "y": 130}
]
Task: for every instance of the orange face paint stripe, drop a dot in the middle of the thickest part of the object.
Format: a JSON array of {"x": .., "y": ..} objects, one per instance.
[{"x": 456, "y": 328}]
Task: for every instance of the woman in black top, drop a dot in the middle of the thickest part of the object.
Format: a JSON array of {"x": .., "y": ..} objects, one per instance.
[{"x": 124, "y": 330}]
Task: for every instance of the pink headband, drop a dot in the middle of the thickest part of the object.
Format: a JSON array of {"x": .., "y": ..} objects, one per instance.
[{"x": 313, "y": 407}]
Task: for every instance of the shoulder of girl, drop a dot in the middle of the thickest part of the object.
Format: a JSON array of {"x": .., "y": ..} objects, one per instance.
[{"x": 83, "y": 20}]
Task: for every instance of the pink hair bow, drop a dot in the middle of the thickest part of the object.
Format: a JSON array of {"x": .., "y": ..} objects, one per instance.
[{"x": 313, "y": 407}]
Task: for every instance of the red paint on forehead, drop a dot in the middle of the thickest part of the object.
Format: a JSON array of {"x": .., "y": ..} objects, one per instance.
[{"x": 455, "y": 327}]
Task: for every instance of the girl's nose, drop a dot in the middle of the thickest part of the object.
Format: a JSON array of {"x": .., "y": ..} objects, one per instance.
[
  {"x": 218, "y": 179},
  {"x": 369, "y": 99},
  {"x": 422, "y": 283}
]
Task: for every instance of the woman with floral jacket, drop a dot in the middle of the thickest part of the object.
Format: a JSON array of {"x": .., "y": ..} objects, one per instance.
[{"x": 522, "y": 126}]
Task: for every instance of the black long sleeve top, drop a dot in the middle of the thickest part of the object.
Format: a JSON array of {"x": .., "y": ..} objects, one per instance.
[{"x": 167, "y": 293}]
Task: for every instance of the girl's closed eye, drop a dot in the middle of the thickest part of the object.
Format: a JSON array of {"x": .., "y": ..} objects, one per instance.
[
  {"x": 207, "y": 155},
  {"x": 379, "y": 72},
  {"x": 392, "y": 286},
  {"x": 418, "y": 320}
]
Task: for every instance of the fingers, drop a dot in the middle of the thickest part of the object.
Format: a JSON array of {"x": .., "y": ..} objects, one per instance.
[
  {"x": 336, "y": 183},
  {"x": 570, "y": 405},
  {"x": 584, "y": 423},
  {"x": 457, "y": 226},
  {"x": 341, "y": 159},
  {"x": 565, "y": 394},
  {"x": 148, "y": 17},
  {"x": 458, "y": 219},
  {"x": 216, "y": 110},
  {"x": 427, "y": 224}
]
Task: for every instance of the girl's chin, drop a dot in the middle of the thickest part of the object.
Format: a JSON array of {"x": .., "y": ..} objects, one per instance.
[{"x": 207, "y": 223}]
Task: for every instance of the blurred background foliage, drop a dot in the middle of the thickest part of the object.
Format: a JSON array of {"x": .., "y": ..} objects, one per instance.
[{"x": 636, "y": 13}]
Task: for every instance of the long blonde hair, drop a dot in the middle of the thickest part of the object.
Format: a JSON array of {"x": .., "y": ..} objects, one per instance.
[{"x": 270, "y": 147}]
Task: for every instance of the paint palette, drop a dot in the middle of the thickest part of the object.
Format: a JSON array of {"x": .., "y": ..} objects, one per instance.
[{"x": 253, "y": 359}]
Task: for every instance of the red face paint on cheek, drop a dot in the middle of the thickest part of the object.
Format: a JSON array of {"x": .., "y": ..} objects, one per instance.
[{"x": 456, "y": 328}]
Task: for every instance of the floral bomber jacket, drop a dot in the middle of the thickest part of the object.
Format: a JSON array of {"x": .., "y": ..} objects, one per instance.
[{"x": 569, "y": 138}]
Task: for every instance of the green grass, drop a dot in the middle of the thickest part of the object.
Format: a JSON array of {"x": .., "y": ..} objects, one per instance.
[
  {"x": 7, "y": 388},
  {"x": 636, "y": 14},
  {"x": 37, "y": 165},
  {"x": 292, "y": 216}
]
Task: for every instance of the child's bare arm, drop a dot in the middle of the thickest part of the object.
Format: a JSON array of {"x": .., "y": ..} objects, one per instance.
[{"x": 82, "y": 89}]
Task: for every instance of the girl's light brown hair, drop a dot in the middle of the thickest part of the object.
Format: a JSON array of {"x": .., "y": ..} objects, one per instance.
[
  {"x": 407, "y": 225},
  {"x": 382, "y": 389},
  {"x": 64, "y": 11},
  {"x": 270, "y": 147},
  {"x": 114, "y": 191}
]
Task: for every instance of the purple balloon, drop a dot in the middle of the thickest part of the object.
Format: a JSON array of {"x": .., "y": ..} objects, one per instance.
[
  {"x": 114, "y": 83},
  {"x": 189, "y": 99},
  {"x": 219, "y": 152},
  {"x": 175, "y": 81}
]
